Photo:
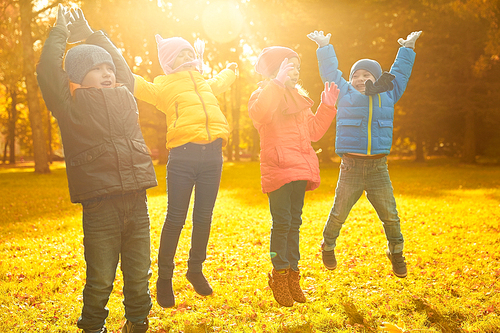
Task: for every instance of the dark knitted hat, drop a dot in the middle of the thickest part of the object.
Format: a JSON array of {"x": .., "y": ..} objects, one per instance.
[
  {"x": 369, "y": 65},
  {"x": 80, "y": 60}
]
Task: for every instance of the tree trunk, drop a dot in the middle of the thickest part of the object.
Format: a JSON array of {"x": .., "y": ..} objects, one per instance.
[
  {"x": 4, "y": 160},
  {"x": 419, "y": 149},
  {"x": 35, "y": 113},
  {"x": 49, "y": 134},
  {"x": 229, "y": 144},
  {"x": 236, "y": 106},
  {"x": 12, "y": 127},
  {"x": 469, "y": 150},
  {"x": 255, "y": 144}
]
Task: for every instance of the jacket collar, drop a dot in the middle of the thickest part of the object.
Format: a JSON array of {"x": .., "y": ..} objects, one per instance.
[{"x": 73, "y": 86}]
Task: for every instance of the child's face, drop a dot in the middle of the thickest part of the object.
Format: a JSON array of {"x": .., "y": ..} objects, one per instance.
[
  {"x": 359, "y": 78},
  {"x": 293, "y": 74},
  {"x": 100, "y": 76},
  {"x": 183, "y": 57}
]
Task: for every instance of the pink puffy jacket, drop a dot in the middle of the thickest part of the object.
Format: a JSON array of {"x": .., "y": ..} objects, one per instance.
[{"x": 287, "y": 126}]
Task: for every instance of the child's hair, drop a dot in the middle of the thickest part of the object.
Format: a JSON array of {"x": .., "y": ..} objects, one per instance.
[
  {"x": 369, "y": 65},
  {"x": 302, "y": 90},
  {"x": 82, "y": 58},
  {"x": 270, "y": 59}
]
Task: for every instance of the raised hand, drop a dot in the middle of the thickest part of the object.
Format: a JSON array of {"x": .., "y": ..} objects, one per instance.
[
  {"x": 232, "y": 66},
  {"x": 285, "y": 67},
  {"x": 384, "y": 83},
  {"x": 79, "y": 28},
  {"x": 410, "y": 39},
  {"x": 320, "y": 38},
  {"x": 330, "y": 94},
  {"x": 63, "y": 16}
]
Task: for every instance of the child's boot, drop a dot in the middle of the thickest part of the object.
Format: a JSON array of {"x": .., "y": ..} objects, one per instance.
[
  {"x": 139, "y": 327},
  {"x": 398, "y": 263},
  {"x": 165, "y": 293},
  {"x": 294, "y": 286},
  {"x": 200, "y": 283},
  {"x": 279, "y": 285},
  {"x": 328, "y": 257}
]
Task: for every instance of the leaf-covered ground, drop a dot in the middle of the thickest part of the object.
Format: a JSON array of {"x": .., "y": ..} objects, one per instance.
[{"x": 450, "y": 219}]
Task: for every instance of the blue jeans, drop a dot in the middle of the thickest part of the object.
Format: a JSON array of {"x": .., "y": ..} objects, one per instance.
[
  {"x": 370, "y": 175},
  {"x": 190, "y": 165},
  {"x": 286, "y": 210},
  {"x": 115, "y": 227}
]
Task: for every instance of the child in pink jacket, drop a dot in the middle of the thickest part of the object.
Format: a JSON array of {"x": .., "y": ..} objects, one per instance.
[{"x": 281, "y": 112}]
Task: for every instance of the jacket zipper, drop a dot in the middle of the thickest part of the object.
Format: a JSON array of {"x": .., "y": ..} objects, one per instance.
[
  {"x": 203, "y": 104},
  {"x": 370, "y": 118},
  {"x": 176, "y": 113}
]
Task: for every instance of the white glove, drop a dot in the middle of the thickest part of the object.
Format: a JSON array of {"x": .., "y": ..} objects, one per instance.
[
  {"x": 285, "y": 67},
  {"x": 320, "y": 38},
  {"x": 410, "y": 40}
]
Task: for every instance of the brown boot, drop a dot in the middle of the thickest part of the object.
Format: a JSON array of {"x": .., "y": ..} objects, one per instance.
[
  {"x": 294, "y": 286},
  {"x": 279, "y": 285}
]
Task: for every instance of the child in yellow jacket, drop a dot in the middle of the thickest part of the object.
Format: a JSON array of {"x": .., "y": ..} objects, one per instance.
[{"x": 196, "y": 132}]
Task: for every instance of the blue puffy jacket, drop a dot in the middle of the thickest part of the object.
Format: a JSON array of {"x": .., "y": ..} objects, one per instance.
[{"x": 365, "y": 123}]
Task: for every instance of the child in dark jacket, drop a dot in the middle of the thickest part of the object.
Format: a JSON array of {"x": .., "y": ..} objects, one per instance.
[
  {"x": 107, "y": 164},
  {"x": 364, "y": 138}
]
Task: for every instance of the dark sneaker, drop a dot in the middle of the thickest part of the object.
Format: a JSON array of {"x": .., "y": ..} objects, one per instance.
[
  {"x": 140, "y": 327},
  {"x": 398, "y": 263},
  {"x": 329, "y": 259},
  {"x": 165, "y": 293},
  {"x": 200, "y": 284},
  {"x": 101, "y": 330}
]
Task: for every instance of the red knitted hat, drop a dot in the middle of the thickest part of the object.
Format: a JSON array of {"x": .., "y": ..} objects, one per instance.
[{"x": 270, "y": 59}]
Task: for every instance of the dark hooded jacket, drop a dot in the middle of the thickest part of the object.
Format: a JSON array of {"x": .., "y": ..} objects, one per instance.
[{"x": 104, "y": 148}]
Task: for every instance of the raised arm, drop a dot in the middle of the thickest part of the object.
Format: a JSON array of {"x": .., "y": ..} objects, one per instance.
[
  {"x": 52, "y": 79},
  {"x": 222, "y": 81},
  {"x": 403, "y": 64},
  {"x": 320, "y": 122},
  {"x": 146, "y": 91},
  {"x": 264, "y": 102},
  {"x": 327, "y": 61}
]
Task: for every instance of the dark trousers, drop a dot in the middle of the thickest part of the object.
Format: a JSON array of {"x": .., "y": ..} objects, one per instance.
[
  {"x": 116, "y": 227},
  {"x": 190, "y": 165},
  {"x": 286, "y": 210}
]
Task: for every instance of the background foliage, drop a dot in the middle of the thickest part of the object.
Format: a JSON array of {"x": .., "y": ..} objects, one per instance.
[{"x": 450, "y": 106}]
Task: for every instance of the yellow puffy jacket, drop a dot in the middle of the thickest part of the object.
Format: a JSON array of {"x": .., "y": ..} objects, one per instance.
[{"x": 188, "y": 100}]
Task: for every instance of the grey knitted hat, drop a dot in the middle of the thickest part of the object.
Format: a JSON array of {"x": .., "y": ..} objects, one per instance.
[
  {"x": 81, "y": 58},
  {"x": 369, "y": 65}
]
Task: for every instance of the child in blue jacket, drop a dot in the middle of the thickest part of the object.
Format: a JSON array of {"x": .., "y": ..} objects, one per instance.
[{"x": 364, "y": 138}]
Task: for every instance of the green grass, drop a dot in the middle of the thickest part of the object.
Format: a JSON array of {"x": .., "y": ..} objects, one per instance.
[{"x": 450, "y": 217}]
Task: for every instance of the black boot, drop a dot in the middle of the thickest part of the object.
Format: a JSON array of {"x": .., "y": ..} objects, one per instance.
[
  {"x": 200, "y": 284},
  {"x": 165, "y": 293}
]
